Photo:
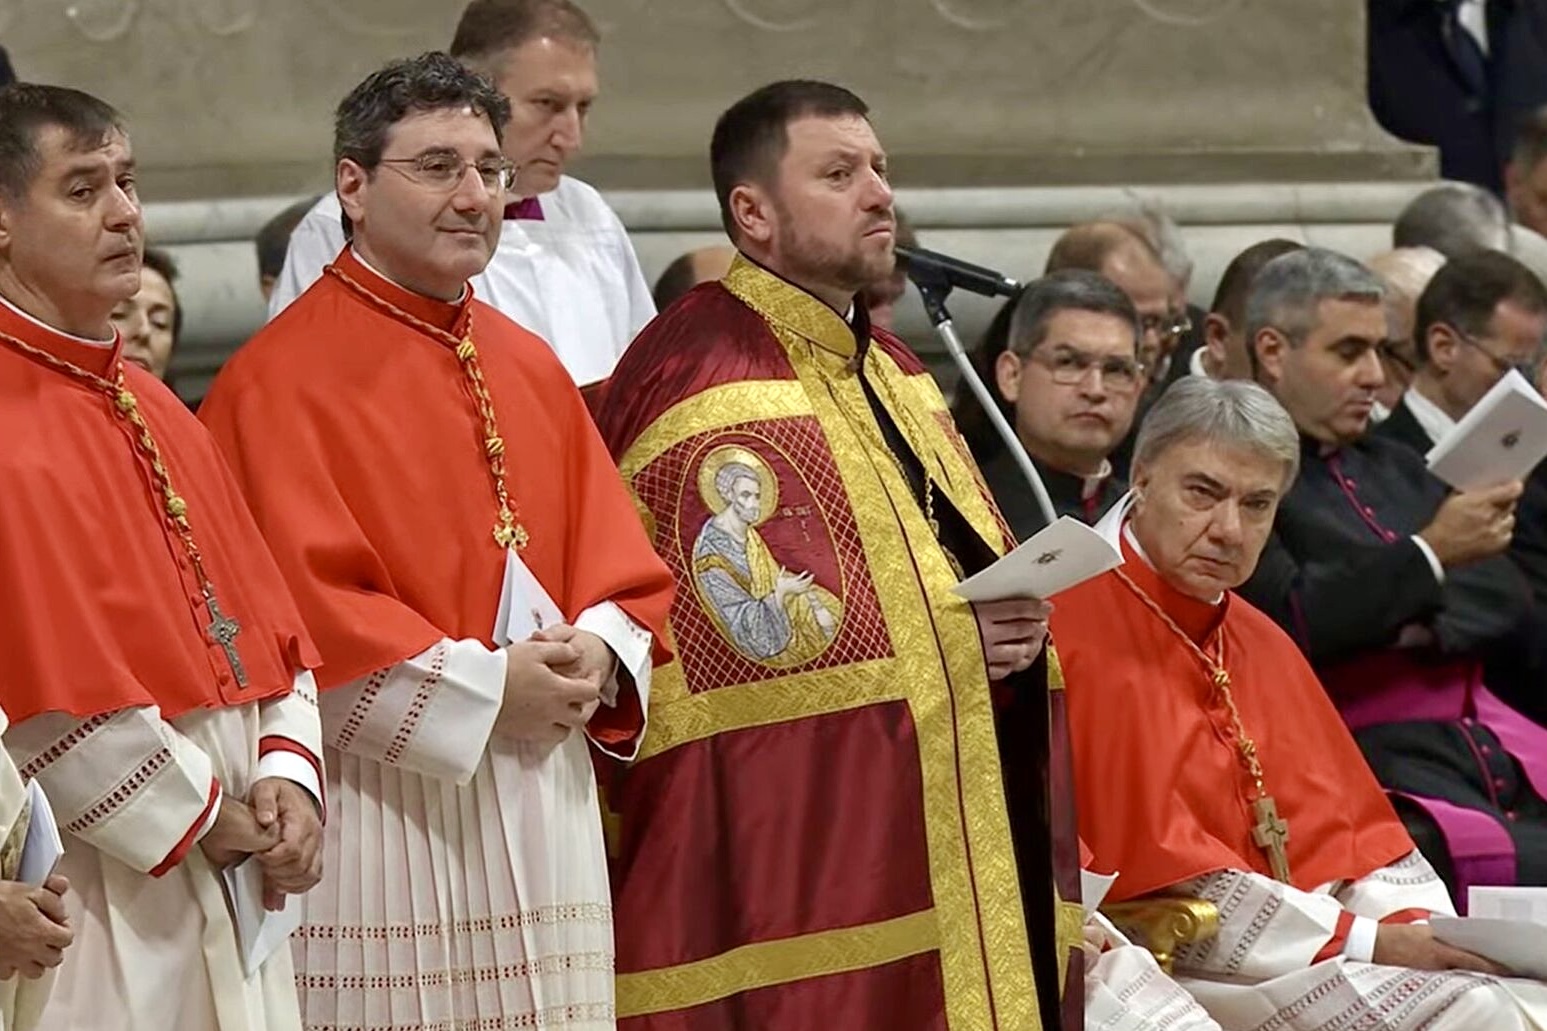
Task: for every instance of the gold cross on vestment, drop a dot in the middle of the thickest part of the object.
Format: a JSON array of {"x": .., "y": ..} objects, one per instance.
[
  {"x": 1271, "y": 835},
  {"x": 223, "y": 630}
]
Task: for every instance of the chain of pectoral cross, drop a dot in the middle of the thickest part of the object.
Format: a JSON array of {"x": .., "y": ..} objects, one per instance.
[
  {"x": 1270, "y": 832},
  {"x": 508, "y": 530},
  {"x": 222, "y": 629}
]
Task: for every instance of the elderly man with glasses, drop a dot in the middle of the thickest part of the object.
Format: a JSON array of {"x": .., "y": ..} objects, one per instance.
[{"x": 1069, "y": 378}]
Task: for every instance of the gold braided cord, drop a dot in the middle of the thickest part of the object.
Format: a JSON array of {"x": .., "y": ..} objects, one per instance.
[
  {"x": 508, "y": 530},
  {"x": 127, "y": 407},
  {"x": 1221, "y": 678}
]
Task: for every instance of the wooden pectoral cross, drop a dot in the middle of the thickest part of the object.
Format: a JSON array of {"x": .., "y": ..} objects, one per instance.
[
  {"x": 1271, "y": 835},
  {"x": 223, "y": 630}
]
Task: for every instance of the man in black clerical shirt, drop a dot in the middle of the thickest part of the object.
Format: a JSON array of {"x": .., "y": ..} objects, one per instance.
[
  {"x": 1069, "y": 379},
  {"x": 1396, "y": 590}
]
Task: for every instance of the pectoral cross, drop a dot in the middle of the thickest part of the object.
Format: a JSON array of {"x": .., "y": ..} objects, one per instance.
[
  {"x": 223, "y": 630},
  {"x": 1271, "y": 835}
]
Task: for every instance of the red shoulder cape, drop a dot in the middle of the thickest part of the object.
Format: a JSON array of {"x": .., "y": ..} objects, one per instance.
[
  {"x": 355, "y": 437},
  {"x": 1162, "y": 795},
  {"x": 105, "y": 611}
]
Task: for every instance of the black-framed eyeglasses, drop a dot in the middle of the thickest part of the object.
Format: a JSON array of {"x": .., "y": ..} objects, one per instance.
[
  {"x": 1528, "y": 369},
  {"x": 1069, "y": 367},
  {"x": 443, "y": 171},
  {"x": 1170, "y": 326}
]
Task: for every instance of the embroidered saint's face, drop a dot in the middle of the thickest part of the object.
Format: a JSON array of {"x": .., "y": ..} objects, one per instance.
[
  {"x": 74, "y": 238},
  {"x": 1203, "y": 514},
  {"x": 426, "y": 235}
]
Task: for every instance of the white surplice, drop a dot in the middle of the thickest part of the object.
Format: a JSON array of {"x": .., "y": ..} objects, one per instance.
[
  {"x": 155, "y": 946},
  {"x": 465, "y": 875},
  {"x": 1125, "y": 989},
  {"x": 571, "y": 277},
  {"x": 21, "y": 1000},
  {"x": 1260, "y": 974}
]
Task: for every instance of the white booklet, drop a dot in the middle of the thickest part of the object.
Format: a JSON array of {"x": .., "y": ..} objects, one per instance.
[
  {"x": 526, "y": 607},
  {"x": 259, "y": 931},
  {"x": 1502, "y": 438},
  {"x": 43, "y": 846},
  {"x": 1507, "y": 925},
  {"x": 1060, "y": 556}
]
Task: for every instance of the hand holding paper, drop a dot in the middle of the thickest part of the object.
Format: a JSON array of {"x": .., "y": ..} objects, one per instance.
[
  {"x": 1013, "y": 631},
  {"x": 1502, "y": 438},
  {"x": 1062, "y": 555}
]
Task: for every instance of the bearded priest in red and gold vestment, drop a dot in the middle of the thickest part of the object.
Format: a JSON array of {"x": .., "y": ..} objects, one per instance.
[{"x": 841, "y": 815}]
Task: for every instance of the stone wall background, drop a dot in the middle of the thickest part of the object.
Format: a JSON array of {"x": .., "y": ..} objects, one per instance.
[
  {"x": 1006, "y": 120},
  {"x": 233, "y": 97}
]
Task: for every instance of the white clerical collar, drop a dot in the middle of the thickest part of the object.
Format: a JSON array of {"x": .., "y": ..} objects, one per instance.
[
  {"x": 379, "y": 274},
  {"x": 88, "y": 341},
  {"x": 1195, "y": 363},
  {"x": 1429, "y": 415},
  {"x": 1091, "y": 485},
  {"x": 1114, "y": 528}
]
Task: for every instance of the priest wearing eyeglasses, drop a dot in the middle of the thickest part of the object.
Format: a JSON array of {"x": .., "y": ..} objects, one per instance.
[
  {"x": 483, "y": 594},
  {"x": 1069, "y": 381},
  {"x": 563, "y": 267}
]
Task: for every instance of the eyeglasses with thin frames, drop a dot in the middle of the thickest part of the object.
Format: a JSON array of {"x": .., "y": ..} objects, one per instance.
[
  {"x": 444, "y": 171},
  {"x": 1068, "y": 367},
  {"x": 1528, "y": 369},
  {"x": 1168, "y": 327}
]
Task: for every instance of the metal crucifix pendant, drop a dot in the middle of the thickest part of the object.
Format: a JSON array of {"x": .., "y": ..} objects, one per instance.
[
  {"x": 223, "y": 630},
  {"x": 1271, "y": 835}
]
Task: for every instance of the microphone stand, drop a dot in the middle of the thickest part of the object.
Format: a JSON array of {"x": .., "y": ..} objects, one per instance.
[{"x": 934, "y": 289}]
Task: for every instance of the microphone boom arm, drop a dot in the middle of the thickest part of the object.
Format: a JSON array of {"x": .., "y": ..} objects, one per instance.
[{"x": 934, "y": 287}]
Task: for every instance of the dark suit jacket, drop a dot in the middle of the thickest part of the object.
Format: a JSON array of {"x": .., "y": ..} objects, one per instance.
[
  {"x": 1417, "y": 89},
  {"x": 1403, "y": 427},
  {"x": 7, "y": 74},
  {"x": 1019, "y": 506}
]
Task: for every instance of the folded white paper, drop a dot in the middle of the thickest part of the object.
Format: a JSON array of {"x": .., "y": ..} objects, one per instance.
[
  {"x": 1062, "y": 555},
  {"x": 525, "y": 607},
  {"x": 259, "y": 931},
  {"x": 1518, "y": 945},
  {"x": 1502, "y": 438},
  {"x": 1093, "y": 889},
  {"x": 43, "y": 846},
  {"x": 1508, "y": 903}
]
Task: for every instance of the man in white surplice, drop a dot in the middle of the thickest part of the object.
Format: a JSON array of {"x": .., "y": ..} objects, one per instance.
[
  {"x": 1200, "y": 734},
  {"x": 156, "y": 668},
  {"x": 34, "y": 929},
  {"x": 381, "y": 427},
  {"x": 564, "y": 267}
]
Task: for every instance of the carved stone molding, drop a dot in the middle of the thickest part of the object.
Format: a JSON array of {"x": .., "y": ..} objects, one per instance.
[{"x": 779, "y": 15}]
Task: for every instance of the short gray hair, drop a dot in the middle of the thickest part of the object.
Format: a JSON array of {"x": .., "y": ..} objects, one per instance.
[
  {"x": 1068, "y": 290},
  {"x": 1234, "y": 412},
  {"x": 1454, "y": 219},
  {"x": 1288, "y": 290},
  {"x": 729, "y": 475}
]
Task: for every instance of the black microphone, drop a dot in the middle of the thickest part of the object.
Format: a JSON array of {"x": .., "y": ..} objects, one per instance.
[{"x": 932, "y": 269}]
